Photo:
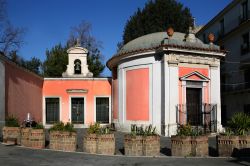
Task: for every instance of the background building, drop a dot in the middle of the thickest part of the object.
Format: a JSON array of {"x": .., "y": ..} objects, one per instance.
[
  {"x": 166, "y": 80},
  {"x": 232, "y": 30}
]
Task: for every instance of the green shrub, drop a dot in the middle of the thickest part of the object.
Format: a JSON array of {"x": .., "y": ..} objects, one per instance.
[
  {"x": 94, "y": 128},
  {"x": 104, "y": 130},
  {"x": 186, "y": 130},
  {"x": 97, "y": 129},
  {"x": 12, "y": 121},
  {"x": 61, "y": 127},
  {"x": 148, "y": 131},
  {"x": 239, "y": 124},
  {"x": 38, "y": 126}
]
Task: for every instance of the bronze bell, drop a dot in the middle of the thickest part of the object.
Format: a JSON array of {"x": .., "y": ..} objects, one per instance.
[{"x": 78, "y": 66}]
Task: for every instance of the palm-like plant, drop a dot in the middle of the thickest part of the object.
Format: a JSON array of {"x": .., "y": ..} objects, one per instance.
[{"x": 240, "y": 123}]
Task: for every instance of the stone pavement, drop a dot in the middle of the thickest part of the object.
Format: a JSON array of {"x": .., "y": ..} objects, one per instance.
[{"x": 21, "y": 156}]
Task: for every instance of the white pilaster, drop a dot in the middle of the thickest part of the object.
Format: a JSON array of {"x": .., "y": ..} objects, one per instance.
[{"x": 215, "y": 96}]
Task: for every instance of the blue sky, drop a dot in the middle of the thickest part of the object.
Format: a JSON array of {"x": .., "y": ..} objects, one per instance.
[{"x": 48, "y": 22}]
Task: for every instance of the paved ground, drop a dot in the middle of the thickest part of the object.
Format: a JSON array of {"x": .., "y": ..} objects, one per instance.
[{"x": 20, "y": 156}]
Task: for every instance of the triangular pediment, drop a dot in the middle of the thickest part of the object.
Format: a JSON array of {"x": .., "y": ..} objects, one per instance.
[{"x": 194, "y": 76}]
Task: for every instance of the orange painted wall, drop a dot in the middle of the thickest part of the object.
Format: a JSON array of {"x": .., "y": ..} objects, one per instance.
[
  {"x": 95, "y": 88},
  {"x": 115, "y": 98},
  {"x": 23, "y": 93},
  {"x": 186, "y": 70},
  {"x": 137, "y": 94}
]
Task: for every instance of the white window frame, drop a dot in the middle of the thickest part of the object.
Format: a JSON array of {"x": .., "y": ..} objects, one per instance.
[
  {"x": 44, "y": 110},
  {"x": 102, "y": 96},
  {"x": 85, "y": 112}
]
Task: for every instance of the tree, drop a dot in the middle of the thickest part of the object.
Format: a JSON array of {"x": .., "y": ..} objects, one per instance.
[
  {"x": 57, "y": 58},
  {"x": 56, "y": 61},
  {"x": 33, "y": 65},
  {"x": 157, "y": 16},
  {"x": 10, "y": 36},
  {"x": 94, "y": 59}
]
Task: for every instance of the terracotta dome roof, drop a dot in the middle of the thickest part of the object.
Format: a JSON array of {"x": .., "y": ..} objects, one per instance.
[
  {"x": 153, "y": 41},
  {"x": 156, "y": 39}
]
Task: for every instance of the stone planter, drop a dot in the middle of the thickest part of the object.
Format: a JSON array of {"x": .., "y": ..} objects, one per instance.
[
  {"x": 101, "y": 144},
  {"x": 90, "y": 143},
  {"x": 189, "y": 146},
  {"x": 151, "y": 145},
  {"x": 11, "y": 135},
  {"x": 133, "y": 145},
  {"x": 65, "y": 141},
  {"x": 25, "y": 132},
  {"x": 233, "y": 145},
  {"x": 200, "y": 146},
  {"x": 106, "y": 144},
  {"x": 37, "y": 138}
]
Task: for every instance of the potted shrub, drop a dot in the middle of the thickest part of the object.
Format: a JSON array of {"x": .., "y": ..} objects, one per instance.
[
  {"x": 188, "y": 142},
  {"x": 236, "y": 140},
  {"x": 142, "y": 142},
  {"x": 37, "y": 136},
  {"x": 11, "y": 131},
  {"x": 62, "y": 137},
  {"x": 99, "y": 140}
]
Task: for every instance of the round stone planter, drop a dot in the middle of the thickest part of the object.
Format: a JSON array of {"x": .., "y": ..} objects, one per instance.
[
  {"x": 37, "y": 138},
  {"x": 189, "y": 146},
  {"x": 25, "y": 132},
  {"x": 11, "y": 135},
  {"x": 106, "y": 144},
  {"x": 233, "y": 145},
  {"x": 151, "y": 145},
  {"x": 65, "y": 141},
  {"x": 90, "y": 143},
  {"x": 141, "y": 145},
  {"x": 99, "y": 143},
  {"x": 133, "y": 145}
]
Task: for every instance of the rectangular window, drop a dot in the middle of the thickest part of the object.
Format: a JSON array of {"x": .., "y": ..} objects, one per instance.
[
  {"x": 245, "y": 44},
  {"x": 52, "y": 110},
  {"x": 222, "y": 28},
  {"x": 102, "y": 109},
  {"x": 77, "y": 110},
  {"x": 244, "y": 11},
  {"x": 247, "y": 78},
  {"x": 247, "y": 109}
]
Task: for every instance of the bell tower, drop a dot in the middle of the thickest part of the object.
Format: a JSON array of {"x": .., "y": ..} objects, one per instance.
[{"x": 77, "y": 62}]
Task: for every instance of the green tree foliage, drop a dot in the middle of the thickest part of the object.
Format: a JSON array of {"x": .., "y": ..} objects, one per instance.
[
  {"x": 157, "y": 16},
  {"x": 33, "y": 65},
  {"x": 56, "y": 61}
]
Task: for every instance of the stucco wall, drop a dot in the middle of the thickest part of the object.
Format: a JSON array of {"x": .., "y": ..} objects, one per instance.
[
  {"x": 23, "y": 93},
  {"x": 2, "y": 95},
  {"x": 58, "y": 88},
  {"x": 137, "y": 94}
]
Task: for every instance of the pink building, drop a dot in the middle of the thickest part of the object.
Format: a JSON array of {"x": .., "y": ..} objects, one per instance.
[{"x": 77, "y": 97}]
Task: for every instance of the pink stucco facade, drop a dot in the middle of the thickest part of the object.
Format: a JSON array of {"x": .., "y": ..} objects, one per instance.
[
  {"x": 137, "y": 94},
  {"x": 23, "y": 93},
  {"x": 94, "y": 87}
]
